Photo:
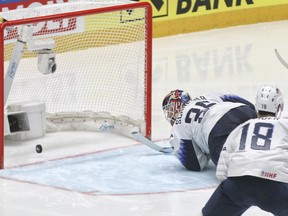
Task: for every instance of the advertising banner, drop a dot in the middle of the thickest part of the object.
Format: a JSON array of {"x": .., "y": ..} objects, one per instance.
[
  {"x": 6, "y": 5},
  {"x": 174, "y": 9}
]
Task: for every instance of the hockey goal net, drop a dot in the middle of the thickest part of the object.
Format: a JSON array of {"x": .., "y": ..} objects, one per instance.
[{"x": 82, "y": 65}]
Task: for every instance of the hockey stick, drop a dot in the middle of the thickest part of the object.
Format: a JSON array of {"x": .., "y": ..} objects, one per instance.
[
  {"x": 283, "y": 62},
  {"x": 101, "y": 121},
  {"x": 139, "y": 137}
]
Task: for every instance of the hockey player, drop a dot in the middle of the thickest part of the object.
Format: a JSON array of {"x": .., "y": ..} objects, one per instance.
[
  {"x": 200, "y": 126},
  {"x": 269, "y": 101},
  {"x": 253, "y": 165}
]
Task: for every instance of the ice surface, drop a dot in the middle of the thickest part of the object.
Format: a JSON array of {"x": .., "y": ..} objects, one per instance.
[{"x": 82, "y": 173}]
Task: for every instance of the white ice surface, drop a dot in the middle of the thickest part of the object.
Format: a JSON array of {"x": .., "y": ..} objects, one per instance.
[{"x": 238, "y": 59}]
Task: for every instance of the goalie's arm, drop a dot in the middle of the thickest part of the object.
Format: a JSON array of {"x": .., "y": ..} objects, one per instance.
[{"x": 236, "y": 99}]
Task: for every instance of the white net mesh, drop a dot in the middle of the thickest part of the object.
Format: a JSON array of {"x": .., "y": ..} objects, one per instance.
[
  {"x": 91, "y": 121},
  {"x": 101, "y": 60},
  {"x": 74, "y": 5}
]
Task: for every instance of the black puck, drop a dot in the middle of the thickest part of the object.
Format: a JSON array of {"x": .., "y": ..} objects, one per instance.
[{"x": 38, "y": 148}]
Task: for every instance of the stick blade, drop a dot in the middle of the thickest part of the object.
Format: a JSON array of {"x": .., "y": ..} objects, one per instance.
[{"x": 283, "y": 62}]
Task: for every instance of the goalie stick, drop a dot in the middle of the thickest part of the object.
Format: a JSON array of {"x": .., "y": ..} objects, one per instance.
[
  {"x": 283, "y": 62},
  {"x": 99, "y": 121},
  {"x": 139, "y": 137}
]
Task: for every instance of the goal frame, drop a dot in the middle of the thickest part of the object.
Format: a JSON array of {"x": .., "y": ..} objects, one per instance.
[{"x": 114, "y": 8}]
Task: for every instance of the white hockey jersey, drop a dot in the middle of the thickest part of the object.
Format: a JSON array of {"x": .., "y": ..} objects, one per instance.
[
  {"x": 259, "y": 147},
  {"x": 196, "y": 121}
]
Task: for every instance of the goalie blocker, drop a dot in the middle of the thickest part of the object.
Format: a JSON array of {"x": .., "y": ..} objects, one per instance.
[
  {"x": 25, "y": 120},
  {"x": 28, "y": 120}
]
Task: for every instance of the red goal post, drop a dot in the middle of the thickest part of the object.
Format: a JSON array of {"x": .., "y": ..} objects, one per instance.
[{"x": 78, "y": 58}]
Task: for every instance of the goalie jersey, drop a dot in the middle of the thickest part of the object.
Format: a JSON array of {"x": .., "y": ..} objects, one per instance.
[
  {"x": 200, "y": 131},
  {"x": 257, "y": 148}
]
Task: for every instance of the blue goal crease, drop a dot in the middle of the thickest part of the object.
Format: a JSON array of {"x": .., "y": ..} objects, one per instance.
[{"x": 132, "y": 170}]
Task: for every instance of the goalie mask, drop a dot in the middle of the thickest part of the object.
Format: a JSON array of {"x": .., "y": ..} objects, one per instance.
[
  {"x": 173, "y": 103},
  {"x": 270, "y": 99}
]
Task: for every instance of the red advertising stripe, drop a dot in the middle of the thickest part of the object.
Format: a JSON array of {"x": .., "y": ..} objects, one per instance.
[{"x": 19, "y": 4}]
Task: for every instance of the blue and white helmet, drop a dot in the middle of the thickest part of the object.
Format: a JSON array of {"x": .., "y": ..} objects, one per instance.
[
  {"x": 270, "y": 99},
  {"x": 173, "y": 103}
]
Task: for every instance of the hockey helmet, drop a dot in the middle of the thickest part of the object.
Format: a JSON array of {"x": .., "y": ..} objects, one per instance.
[
  {"x": 270, "y": 99},
  {"x": 173, "y": 103}
]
